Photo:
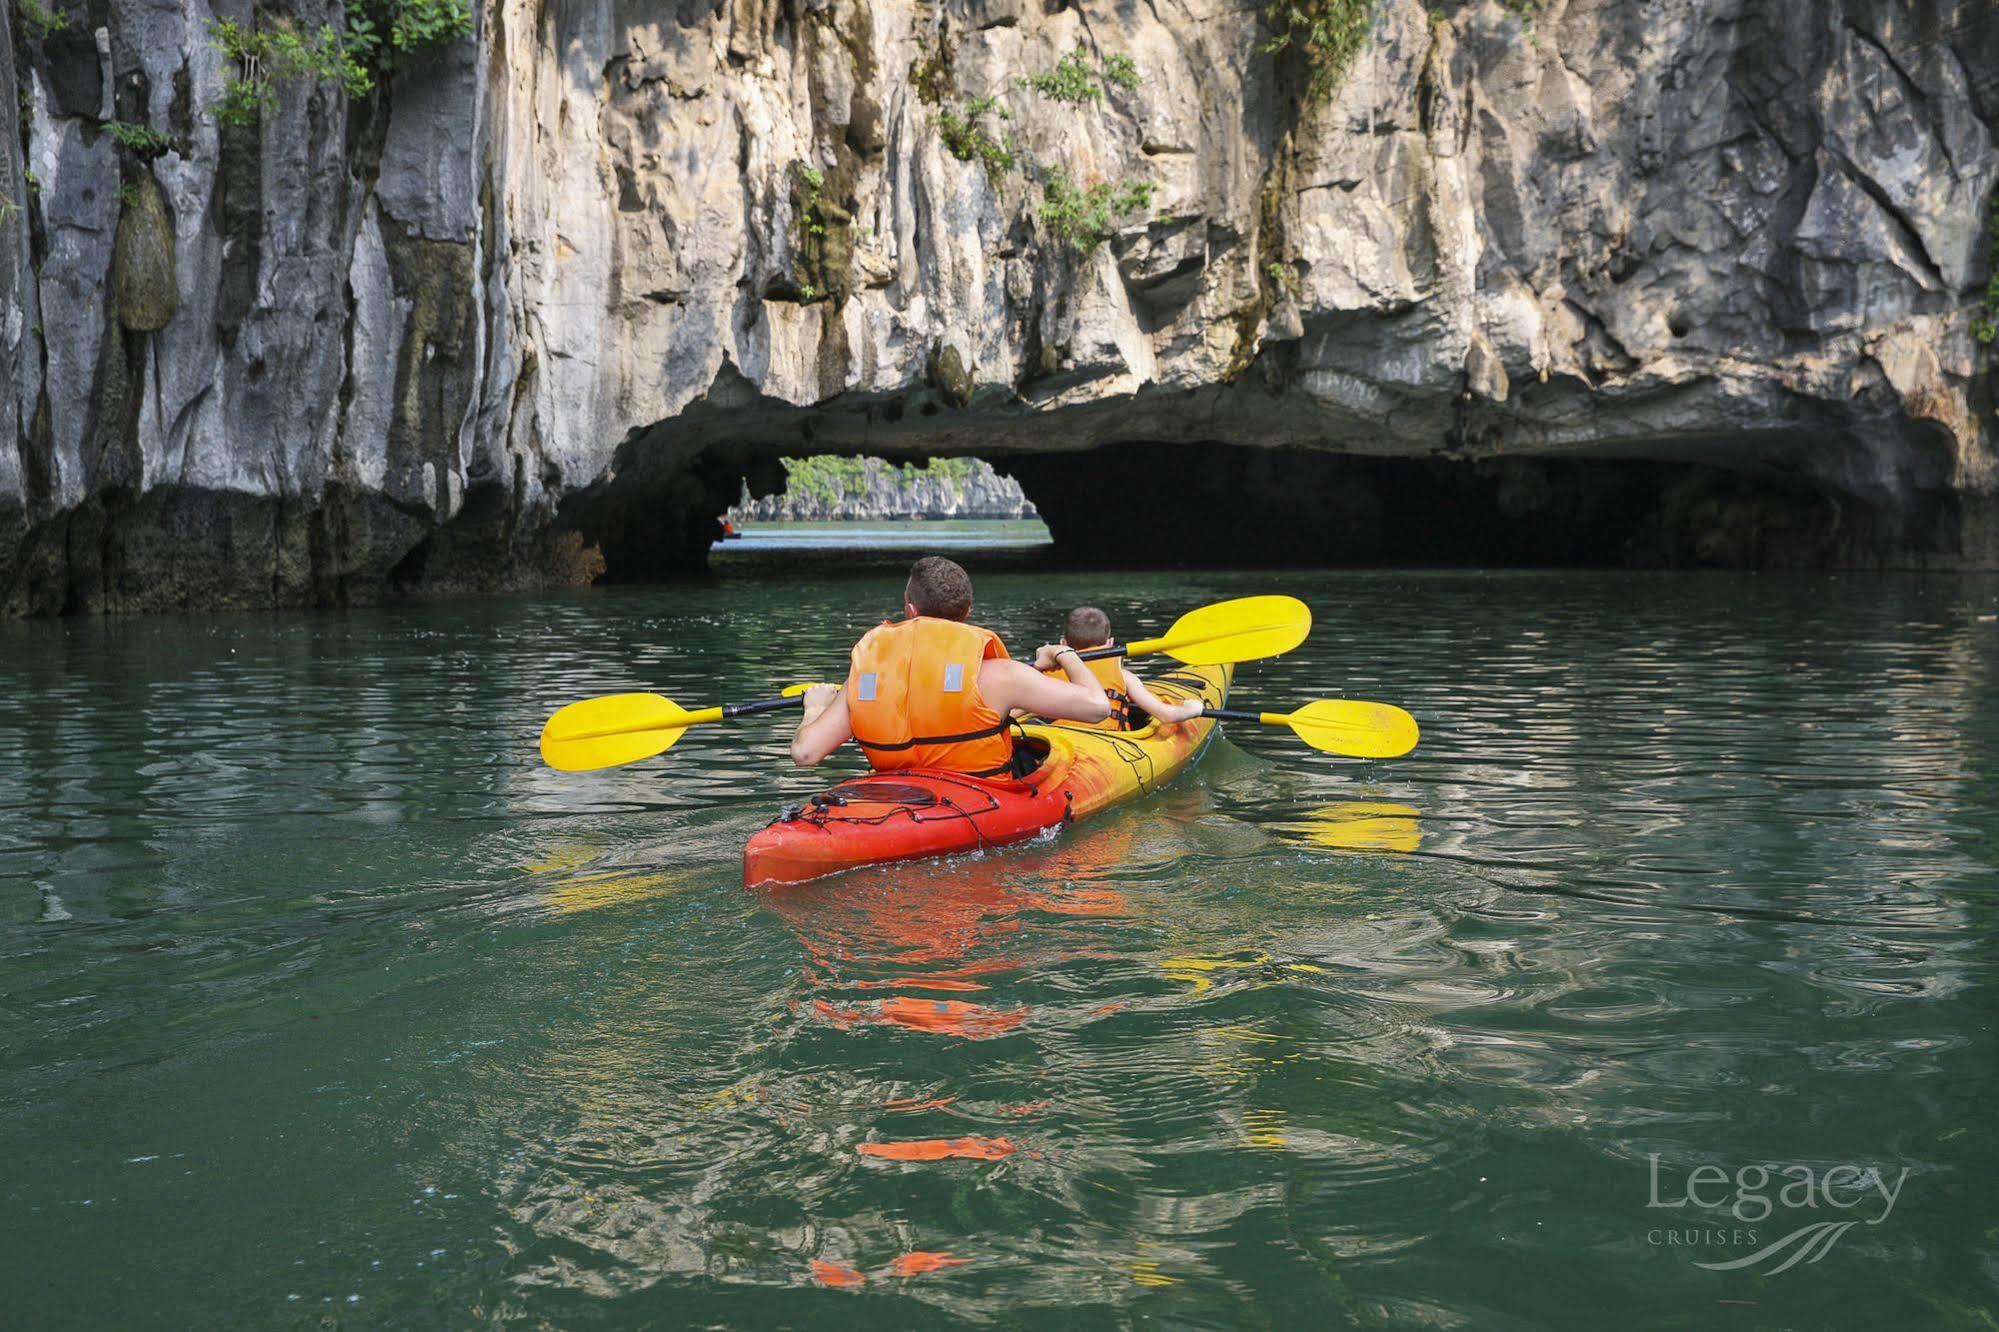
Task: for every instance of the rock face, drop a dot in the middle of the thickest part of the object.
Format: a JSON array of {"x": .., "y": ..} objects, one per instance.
[
  {"x": 1682, "y": 272},
  {"x": 870, "y": 490}
]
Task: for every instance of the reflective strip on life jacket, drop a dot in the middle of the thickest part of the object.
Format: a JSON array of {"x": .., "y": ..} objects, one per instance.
[{"x": 913, "y": 698}]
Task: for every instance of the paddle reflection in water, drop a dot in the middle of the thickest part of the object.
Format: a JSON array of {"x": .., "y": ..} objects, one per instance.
[
  {"x": 1358, "y": 825},
  {"x": 571, "y": 878}
]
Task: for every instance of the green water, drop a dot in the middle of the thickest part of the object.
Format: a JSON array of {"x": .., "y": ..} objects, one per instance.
[{"x": 321, "y": 1001}]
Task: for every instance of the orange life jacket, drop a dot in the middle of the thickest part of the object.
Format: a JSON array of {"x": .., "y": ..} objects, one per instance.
[
  {"x": 1110, "y": 674},
  {"x": 913, "y": 697}
]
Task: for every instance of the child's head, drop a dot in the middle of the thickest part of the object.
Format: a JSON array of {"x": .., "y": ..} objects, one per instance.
[{"x": 1086, "y": 627}]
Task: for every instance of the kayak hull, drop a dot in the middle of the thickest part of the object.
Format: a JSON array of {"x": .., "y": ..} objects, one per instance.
[{"x": 917, "y": 813}]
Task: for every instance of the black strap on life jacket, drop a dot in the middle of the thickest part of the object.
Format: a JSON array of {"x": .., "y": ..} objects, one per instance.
[
  {"x": 915, "y": 740},
  {"x": 1121, "y": 708},
  {"x": 1004, "y": 769}
]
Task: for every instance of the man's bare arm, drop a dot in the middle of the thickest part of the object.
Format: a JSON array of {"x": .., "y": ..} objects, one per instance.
[
  {"x": 824, "y": 728},
  {"x": 1008, "y": 685}
]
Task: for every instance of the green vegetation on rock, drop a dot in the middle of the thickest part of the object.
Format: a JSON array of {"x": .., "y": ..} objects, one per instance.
[
  {"x": 968, "y": 141},
  {"x": 1526, "y": 11},
  {"x": 872, "y": 488},
  {"x": 142, "y": 141},
  {"x": 39, "y": 18},
  {"x": 1075, "y": 80},
  {"x": 1085, "y": 218},
  {"x": 827, "y": 480},
  {"x": 821, "y": 479},
  {"x": 1283, "y": 276},
  {"x": 1985, "y": 324},
  {"x": 269, "y": 57},
  {"x": 413, "y": 28},
  {"x": 815, "y": 183},
  {"x": 825, "y": 238},
  {"x": 1080, "y": 217},
  {"x": 1324, "y": 36},
  {"x": 380, "y": 37},
  {"x": 930, "y": 75},
  {"x": 1072, "y": 80}
]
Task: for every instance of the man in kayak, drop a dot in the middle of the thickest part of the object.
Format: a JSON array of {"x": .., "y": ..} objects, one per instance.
[
  {"x": 1087, "y": 627},
  {"x": 932, "y": 691}
]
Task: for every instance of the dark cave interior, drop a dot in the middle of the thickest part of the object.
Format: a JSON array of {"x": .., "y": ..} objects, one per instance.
[{"x": 1145, "y": 504}]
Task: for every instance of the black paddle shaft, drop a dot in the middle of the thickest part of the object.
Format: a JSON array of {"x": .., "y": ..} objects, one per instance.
[
  {"x": 762, "y": 705},
  {"x": 1231, "y": 714}
]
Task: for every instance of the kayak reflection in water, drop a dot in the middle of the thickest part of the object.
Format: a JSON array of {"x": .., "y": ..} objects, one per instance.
[
  {"x": 924, "y": 952},
  {"x": 933, "y": 691}
]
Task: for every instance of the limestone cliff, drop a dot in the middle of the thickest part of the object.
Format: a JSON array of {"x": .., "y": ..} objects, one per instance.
[
  {"x": 870, "y": 490},
  {"x": 1665, "y": 271}
]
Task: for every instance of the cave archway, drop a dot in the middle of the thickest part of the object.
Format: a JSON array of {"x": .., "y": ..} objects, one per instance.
[{"x": 1165, "y": 484}]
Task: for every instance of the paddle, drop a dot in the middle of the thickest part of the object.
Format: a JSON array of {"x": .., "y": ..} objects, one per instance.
[
  {"x": 1246, "y": 629},
  {"x": 616, "y": 729},
  {"x": 1340, "y": 726}
]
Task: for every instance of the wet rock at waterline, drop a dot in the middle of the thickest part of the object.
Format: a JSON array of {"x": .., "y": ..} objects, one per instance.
[{"x": 536, "y": 308}]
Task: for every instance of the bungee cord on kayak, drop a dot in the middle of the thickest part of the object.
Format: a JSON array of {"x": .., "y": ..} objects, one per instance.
[{"x": 905, "y": 801}]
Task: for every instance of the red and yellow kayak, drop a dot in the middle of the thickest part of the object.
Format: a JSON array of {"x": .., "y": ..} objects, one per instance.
[{"x": 923, "y": 812}]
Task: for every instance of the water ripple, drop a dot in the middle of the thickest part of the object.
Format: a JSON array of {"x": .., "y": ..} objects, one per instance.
[{"x": 318, "y": 994}]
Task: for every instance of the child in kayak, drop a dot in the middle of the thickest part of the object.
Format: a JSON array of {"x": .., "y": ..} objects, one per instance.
[{"x": 1087, "y": 627}]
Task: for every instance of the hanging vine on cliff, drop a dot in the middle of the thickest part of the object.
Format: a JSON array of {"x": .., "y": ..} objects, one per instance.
[
  {"x": 1323, "y": 36},
  {"x": 380, "y": 37}
]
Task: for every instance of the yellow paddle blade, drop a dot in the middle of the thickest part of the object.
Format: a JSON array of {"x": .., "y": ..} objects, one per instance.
[
  {"x": 1245, "y": 629},
  {"x": 1352, "y": 727},
  {"x": 617, "y": 728},
  {"x": 793, "y": 691}
]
